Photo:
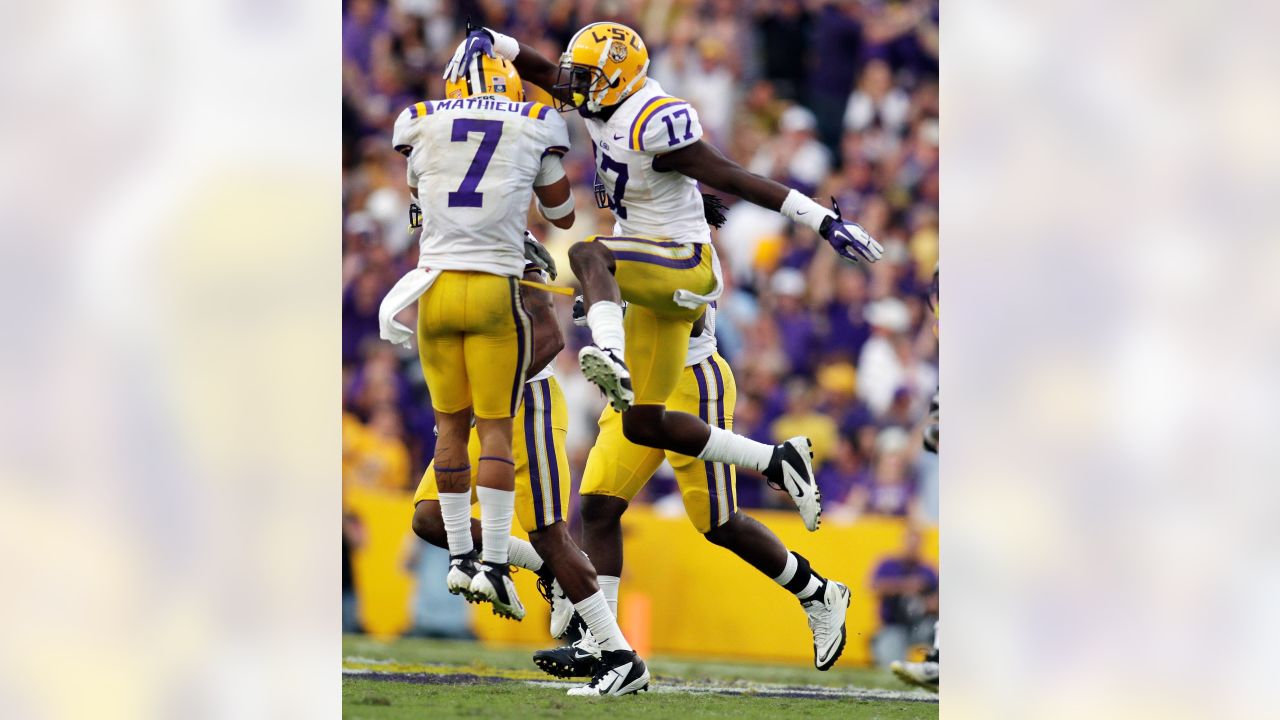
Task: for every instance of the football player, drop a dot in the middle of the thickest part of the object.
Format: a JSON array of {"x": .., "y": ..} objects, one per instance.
[
  {"x": 618, "y": 469},
  {"x": 650, "y": 157},
  {"x": 475, "y": 159}
]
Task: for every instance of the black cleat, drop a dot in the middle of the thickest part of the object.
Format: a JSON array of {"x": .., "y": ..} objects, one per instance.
[
  {"x": 621, "y": 672},
  {"x": 578, "y": 659}
]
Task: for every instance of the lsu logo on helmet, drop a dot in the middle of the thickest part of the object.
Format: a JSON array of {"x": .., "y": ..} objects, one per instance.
[{"x": 604, "y": 64}]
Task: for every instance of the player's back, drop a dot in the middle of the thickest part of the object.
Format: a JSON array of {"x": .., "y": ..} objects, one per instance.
[{"x": 474, "y": 161}]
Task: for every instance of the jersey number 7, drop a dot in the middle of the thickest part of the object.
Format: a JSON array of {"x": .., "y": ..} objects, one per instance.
[
  {"x": 466, "y": 195},
  {"x": 619, "y": 185}
]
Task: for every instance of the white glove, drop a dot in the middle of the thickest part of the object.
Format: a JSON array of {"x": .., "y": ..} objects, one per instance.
[
  {"x": 536, "y": 253},
  {"x": 484, "y": 40}
]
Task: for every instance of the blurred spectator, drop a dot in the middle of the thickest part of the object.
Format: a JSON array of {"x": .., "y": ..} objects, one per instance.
[
  {"x": 888, "y": 361},
  {"x": 908, "y": 592},
  {"x": 352, "y": 539},
  {"x": 837, "y": 55},
  {"x": 876, "y": 102},
  {"x": 436, "y": 612},
  {"x": 794, "y": 158},
  {"x": 845, "y": 471},
  {"x": 802, "y": 418},
  {"x": 378, "y": 456},
  {"x": 783, "y": 29},
  {"x": 890, "y": 489}
]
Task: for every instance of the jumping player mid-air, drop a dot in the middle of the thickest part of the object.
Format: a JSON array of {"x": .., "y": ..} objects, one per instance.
[
  {"x": 476, "y": 159},
  {"x": 650, "y": 158},
  {"x": 618, "y": 469}
]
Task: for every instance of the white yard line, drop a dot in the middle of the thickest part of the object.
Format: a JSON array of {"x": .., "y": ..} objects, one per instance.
[{"x": 752, "y": 688}]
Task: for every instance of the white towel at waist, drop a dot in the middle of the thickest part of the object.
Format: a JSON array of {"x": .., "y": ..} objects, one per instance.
[
  {"x": 404, "y": 293},
  {"x": 692, "y": 300}
]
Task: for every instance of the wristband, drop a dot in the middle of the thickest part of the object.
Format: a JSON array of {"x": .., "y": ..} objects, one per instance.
[
  {"x": 557, "y": 212},
  {"x": 804, "y": 210},
  {"x": 504, "y": 46}
]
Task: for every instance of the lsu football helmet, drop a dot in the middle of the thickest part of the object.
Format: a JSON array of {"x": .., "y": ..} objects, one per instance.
[
  {"x": 604, "y": 64},
  {"x": 486, "y": 76}
]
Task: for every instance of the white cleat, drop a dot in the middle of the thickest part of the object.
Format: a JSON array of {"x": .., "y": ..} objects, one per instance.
[
  {"x": 462, "y": 570},
  {"x": 561, "y": 611},
  {"x": 791, "y": 470},
  {"x": 923, "y": 674},
  {"x": 826, "y": 611},
  {"x": 621, "y": 672},
  {"x": 493, "y": 584},
  {"x": 610, "y": 374},
  {"x": 561, "y": 607}
]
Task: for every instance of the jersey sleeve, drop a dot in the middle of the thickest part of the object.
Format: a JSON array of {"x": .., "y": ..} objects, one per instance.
[
  {"x": 555, "y": 134},
  {"x": 404, "y": 135},
  {"x": 665, "y": 124}
]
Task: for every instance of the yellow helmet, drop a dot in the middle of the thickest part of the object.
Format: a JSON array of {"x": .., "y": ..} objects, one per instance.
[
  {"x": 604, "y": 64},
  {"x": 486, "y": 76}
]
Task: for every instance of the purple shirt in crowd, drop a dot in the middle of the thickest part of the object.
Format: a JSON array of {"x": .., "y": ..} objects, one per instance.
[
  {"x": 837, "y": 48},
  {"x": 893, "y": 608}
]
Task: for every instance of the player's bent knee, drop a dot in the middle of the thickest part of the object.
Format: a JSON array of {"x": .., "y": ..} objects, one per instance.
[
  {"x": 725, "y": 534},
  {"x": 428, "y": 524},
  {"x": 549, "y": 537},
  {"x": 642, "y": 425},
  {"x": 586, "y": 252},
  {"x": 602, "y": 510}
]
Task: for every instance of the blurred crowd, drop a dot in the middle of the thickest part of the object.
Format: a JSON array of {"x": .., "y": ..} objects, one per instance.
[{"x": 836, "y": 99}]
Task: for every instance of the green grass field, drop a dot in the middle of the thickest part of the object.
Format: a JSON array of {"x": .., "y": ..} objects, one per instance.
[{"x": 416, "y": 678}]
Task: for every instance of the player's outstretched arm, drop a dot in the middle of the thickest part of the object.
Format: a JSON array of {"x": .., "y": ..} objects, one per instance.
[
  {"x": 706, "y": 164},
  {"x": 548, "y": 340}
]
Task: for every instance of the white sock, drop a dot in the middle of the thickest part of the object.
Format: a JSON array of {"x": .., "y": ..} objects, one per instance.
[
  {"x": 522, "y": 554},
  {"x": 594, "y": 611},
  {"x": 496, "y": 509},
  {"x": 609, "y": 586},
  {"x": 605, "y": 320},
  {"x": 455, "y": 510},
  {"x": 789, "y": 571},
  {"x": 726, "y": 447}
]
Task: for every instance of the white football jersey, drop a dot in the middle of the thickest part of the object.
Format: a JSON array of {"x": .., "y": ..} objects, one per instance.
[
  {"x": 475, "y": 161},
  {"x": 645, "y": 202}
]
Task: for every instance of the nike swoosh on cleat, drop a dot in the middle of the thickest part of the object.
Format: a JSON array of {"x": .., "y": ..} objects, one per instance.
[{"x": 795, "y": 477}]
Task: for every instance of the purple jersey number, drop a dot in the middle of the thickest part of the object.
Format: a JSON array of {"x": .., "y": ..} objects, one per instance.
[
  {"x": 671, "y": 126},
  {"x": 619, "y": 185},
  {"x": 466, "y": 195}
]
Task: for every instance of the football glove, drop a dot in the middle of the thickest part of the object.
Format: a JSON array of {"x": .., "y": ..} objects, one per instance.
[
  {"x": 480, "y": 40},
  {"x": 476, "y": 42},
  {"x": 850, "y": 241},
  {"x": 537, "y": 254}
]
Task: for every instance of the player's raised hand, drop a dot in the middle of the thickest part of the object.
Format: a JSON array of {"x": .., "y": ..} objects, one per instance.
[
  {"x": 850, "y": 241},
  {"x": 477, "y": 41},
  {"x": 536, "y": 253}
]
